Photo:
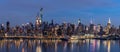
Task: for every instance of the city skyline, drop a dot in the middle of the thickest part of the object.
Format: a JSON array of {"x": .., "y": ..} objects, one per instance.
[
  {"x": 59, "y": 26},
  {"x": 23, "y": 11}
]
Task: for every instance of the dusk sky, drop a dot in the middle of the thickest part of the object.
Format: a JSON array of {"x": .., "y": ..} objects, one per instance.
[{"x": 23, "y": 11}]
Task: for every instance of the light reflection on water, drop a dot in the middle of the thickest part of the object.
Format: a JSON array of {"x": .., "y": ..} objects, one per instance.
[{"x": 59, "y": 46}]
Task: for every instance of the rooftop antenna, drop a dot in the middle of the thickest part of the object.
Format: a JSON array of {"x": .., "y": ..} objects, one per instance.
[
  {"x": 91, "y": 21},
  {"x": 79, "y": 21},
  {"x": 41, "y": 12},
  {"x": 109, "y": 21}
]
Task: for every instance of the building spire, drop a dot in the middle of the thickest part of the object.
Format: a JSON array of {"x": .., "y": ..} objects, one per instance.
[
  {"x": 41, "y": 14},
  {"x": 79, "y": 21},
  {"x": 109, "y": 21},
  {"x": 91, "y": 21},
  {"x": 39, "y": 17}
]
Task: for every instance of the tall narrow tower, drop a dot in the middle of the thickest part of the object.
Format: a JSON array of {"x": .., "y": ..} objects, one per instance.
[
  {"x": 109, "y": 23},
  {"x": 39, "y": 18},
  {"x": 91, "y": 22},
  {"x": 38, "y": 21},
  {"x": 41, "y": 14},
  {"x": 108, "y": 27},
  {"x": 79, "y": 21},
  {"x": 91, "y": 29}
]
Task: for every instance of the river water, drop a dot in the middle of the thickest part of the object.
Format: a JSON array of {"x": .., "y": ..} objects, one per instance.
[{"x": 59, "y": 46}]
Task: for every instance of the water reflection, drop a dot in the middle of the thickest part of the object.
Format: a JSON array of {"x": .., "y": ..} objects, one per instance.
[
  {"x": 59, "y": 46},
  {"x": 38, "y": 49}
]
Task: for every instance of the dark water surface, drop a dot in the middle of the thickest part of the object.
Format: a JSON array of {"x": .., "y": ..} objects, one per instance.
[{"x": 59, "y": 46}]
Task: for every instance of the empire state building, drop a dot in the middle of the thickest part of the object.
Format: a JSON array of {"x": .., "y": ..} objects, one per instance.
[
  {"x": 107, "y": 29},
  {"x": 109, "y": 23}
]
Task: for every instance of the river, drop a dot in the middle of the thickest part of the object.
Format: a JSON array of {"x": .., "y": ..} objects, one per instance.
[{"x": 59, "y": 46}]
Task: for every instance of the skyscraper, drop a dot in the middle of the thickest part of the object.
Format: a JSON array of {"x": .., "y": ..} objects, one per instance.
[
  {"x": 107, "y": 29},
  {"x": 39, "y": 19},
  {"x": 79, "y": 21},
  {"x": 91, "y": 29},
  {"x": 109, "y": 23},
  {"x": 80, "y": 27},
  {"x": 7, "y": 26}
]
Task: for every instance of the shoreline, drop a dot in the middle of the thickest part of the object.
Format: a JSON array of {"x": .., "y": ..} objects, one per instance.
[{"x": 112, "y": 37}]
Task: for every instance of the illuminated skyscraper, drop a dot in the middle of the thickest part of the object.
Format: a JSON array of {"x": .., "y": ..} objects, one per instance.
[
  {"x": 7, "y": 26},
  {"x": 38, "y": 21},
  {"x": 91, "y": 22},
  {"x": 39, "y": 18},
  {"x": 79, "y": 21},
  {"x": 80, "y": 27},
  {"x": 91, "y": 29},
  {"x": 109, "y": 23},
  {"x": 107, "y": 29}
]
